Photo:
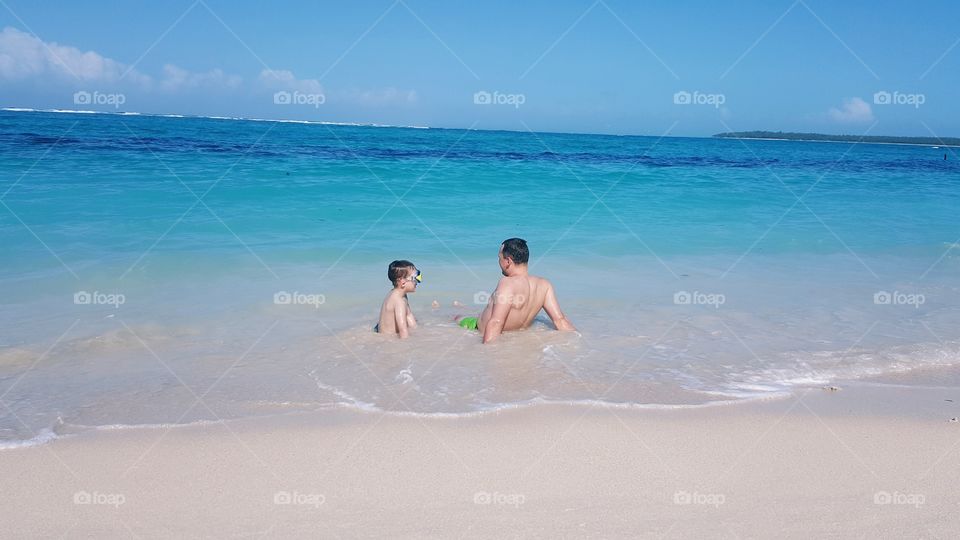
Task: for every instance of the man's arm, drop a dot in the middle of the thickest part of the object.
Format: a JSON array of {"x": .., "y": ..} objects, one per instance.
[
  {"x": 400, "y": 318},
  {"x": 500, "y": 301},
  {"x": 552, "y": 307}
]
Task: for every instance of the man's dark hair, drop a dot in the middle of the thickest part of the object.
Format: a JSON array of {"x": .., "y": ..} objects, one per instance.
[
  {"x": 516, "y": 250},
  {"x": 398, "y": 270}
]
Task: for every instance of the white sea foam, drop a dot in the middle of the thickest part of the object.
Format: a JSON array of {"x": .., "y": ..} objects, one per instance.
[
  {"x": 73, "y": 111},
  {"x": 232, "y": 118},
  {"x": 46, "y": 436},
  {"x": 159, "y": 425},
  {"x": 43, "y": 436},
  {"x": 540, "y": 401},
  {"x": 350, "y": 400}
]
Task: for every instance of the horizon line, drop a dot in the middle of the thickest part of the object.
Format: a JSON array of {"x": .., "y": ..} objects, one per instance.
[{"x": 376, "y": 125}]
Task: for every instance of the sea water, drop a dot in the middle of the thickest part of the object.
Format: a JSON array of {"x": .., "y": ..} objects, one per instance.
[{"x": 168, "y": 270}]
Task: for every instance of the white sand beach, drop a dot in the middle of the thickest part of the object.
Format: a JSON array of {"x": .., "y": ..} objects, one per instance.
[{"x": 860, "y": 462}]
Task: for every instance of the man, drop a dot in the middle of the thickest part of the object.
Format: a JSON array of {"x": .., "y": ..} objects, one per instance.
[{"x": 519, "y": 297}]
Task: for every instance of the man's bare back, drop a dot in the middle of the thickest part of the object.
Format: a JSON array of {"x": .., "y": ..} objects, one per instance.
[
  {"x": 519, "y": 296},
  {"x": 525, "y": 296}
]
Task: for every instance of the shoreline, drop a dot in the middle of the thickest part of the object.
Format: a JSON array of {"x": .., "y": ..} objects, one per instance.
[
  {"x": 875, "y": 460},
  {"x": 941, "y": 379}
]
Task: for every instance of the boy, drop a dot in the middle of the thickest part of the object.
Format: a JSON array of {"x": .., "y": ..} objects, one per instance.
[{"x": 395, "y": 315}]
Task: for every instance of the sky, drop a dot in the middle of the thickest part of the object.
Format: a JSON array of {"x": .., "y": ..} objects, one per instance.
[{"x": 677, "y": 68}]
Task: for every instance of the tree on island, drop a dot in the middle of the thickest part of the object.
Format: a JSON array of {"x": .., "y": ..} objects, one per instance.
[{"x": 887, "y": 139}]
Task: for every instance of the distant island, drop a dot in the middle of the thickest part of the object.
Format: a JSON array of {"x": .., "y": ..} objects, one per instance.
[{"x": 787, "y": 136}]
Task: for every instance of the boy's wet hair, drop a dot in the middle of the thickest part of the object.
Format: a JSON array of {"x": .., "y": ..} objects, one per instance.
[
  {"x": 398, "y": 270},
  {"x": 516, "y": 249}
]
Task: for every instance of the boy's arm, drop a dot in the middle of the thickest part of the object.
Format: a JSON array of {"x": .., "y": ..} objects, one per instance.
[
  {"x": 552, "y": 307},
  {"x": 501, "y": 299},
  {"x": 400, "y": 318},
  {"x": 411, "y": 320}
]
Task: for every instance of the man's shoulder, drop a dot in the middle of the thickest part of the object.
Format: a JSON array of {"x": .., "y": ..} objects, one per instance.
[
  {"x": 524, "y": 280},
  {"x": 540, "y": 281},
  {"x": 513, "y": 282}
]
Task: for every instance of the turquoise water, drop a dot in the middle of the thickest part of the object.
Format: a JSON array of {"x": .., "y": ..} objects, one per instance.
[{"x": 180, "y": 232}]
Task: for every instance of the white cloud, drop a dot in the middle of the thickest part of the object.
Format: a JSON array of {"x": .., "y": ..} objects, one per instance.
[
  {"x": 176, "y": 78},
  {"x": 854, "y": 110},
  {"x": 24, "y": 56},
  {"x": 385, "y": 96},
  {"x": 281, "y": 79}
]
